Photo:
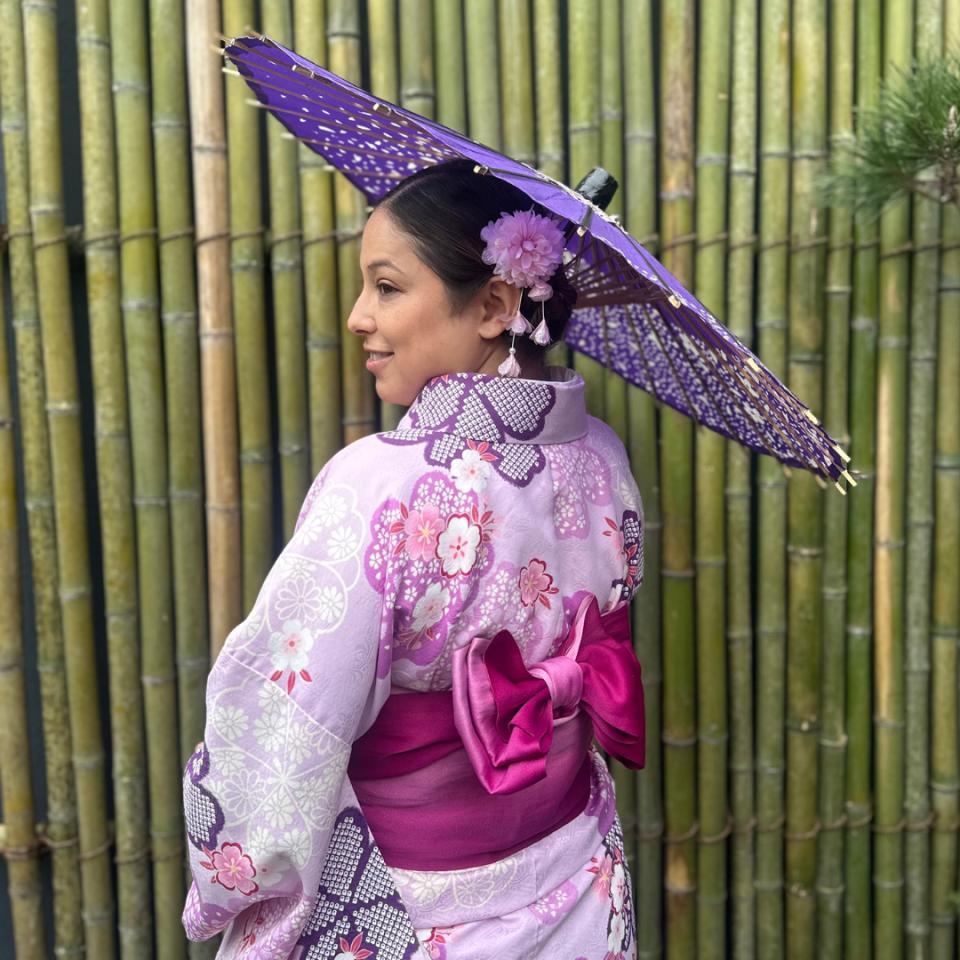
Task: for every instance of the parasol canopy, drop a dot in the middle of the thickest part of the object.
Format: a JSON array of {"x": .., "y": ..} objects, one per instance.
[{"x": 632, "y": 314}]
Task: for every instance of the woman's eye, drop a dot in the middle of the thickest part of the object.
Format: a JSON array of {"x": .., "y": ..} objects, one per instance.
[{"x": 385, "y": 289}]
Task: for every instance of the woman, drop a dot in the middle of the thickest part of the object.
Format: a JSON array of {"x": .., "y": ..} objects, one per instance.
[{"x": 398, "y": 757}]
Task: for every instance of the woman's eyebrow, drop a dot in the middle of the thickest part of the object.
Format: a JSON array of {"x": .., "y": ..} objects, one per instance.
[{"x": 373, "y": 265}]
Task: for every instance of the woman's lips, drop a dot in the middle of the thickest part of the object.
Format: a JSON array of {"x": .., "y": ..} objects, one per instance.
[{"x": 376, "y": 361}]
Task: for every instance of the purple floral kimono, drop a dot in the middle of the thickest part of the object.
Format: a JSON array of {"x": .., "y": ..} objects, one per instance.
[{"x": 497, "y": 504}]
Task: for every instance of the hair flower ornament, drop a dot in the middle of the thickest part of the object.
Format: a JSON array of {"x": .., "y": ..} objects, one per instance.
[{"x": 525, "y": 250}]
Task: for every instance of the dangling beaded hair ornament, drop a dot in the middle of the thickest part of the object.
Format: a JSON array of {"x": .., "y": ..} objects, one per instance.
[{"x": 524, "y": 249}]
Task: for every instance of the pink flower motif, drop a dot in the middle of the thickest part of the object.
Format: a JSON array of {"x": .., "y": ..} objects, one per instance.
[
  {"x": 536, "y": 584},
  {"x": 603, "y": 871},
  {"x": 457, "y": 545},
  {"x": 232, "y": 868},
  {"x": 523, "y": 248},
  {"x": 422, "y": 528},
  {"x": 354, "y": 950}
]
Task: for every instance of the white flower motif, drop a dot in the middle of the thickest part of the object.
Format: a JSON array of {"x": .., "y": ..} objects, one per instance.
[
  {"x": 470, "y": 471},
  {"x": 343, "y": 542},
  {"x": 330, "y": 604},
  {"x": 329, "y": 509},
  {"x": 297, "y": 843},
  {"x": 618, "y": 887},
  {"x": 299, "y": 745},
  {"x": 278, "y": 808},
  {"x": 228, "y": 763},
  {"x": 297, "y": 599},
  {"x": 259, "y": 842},
  {"x": 457, "y": 545},
  {"x": 270, "y": 729},
  {"x": 241, "y": 795},
  {"x": 229, "y": 722},
  {"x": 616, "y": 935},
  {"x": 289, "y": 646},
  {"x": 429, "y": 608},
  {"x": 270, "y": 697}
]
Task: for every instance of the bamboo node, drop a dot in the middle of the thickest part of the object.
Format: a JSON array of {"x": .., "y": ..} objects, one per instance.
[
  {"x": 175, "y": 235},
  {"x": 718, "y": 837},
  {"x": 223, "y": 235},
  {"x": 773, "y": 826},
  {"x": 138, "y": 234},
  {"x": 85, "y": 855},
  {"x": 282, "y": 237},
  {"x": 51, "y": 241},
  {"x": 688, "y": 834},
  {"x": 892, "y": 828},
  {"x": 142, "y": 854},
  {"x": 91, "y": 239},
  {"x": 52, "y": 844},
  {"x": 919, "y": 826},
  {"x": 800, "y": 835},
  {"x": 159, "y": 681}
]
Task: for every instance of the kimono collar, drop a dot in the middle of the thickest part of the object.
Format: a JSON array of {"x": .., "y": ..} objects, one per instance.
[{"x": 479, "y": 406}]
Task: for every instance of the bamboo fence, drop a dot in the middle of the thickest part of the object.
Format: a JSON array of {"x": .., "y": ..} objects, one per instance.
[{"x": 175, "y": 369}]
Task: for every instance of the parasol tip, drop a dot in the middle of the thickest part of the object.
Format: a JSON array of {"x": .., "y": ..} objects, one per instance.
[{"x": 598, "y": 186}]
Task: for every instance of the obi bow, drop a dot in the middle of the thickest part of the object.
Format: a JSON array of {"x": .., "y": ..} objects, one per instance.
[{"x": 505, "y": 711}]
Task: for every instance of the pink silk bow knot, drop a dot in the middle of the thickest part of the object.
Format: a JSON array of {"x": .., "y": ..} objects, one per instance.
[{"x": 505, "y": 712}]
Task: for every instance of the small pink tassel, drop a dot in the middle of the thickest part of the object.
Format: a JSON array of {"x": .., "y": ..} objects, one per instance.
[
  {"x": 510, "y": 367},
  {"x": 519, "y": 324},
  {"x": 541, "y": 336}
]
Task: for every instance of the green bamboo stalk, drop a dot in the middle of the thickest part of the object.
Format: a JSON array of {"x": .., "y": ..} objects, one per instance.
[
  {"x": 417, "y": 90},
  {"x": 114, "y": 480},
  {"x": 833, "y": 739},
  {"x": 583, "y": 132},
  {"x": 178, "y": 301},
  {"x": 547, "y": 85},
  {"x": 16, "y": 791},
  {"x": 483, "y": 72},
  {"x": 615, "y": 387},
  {"x": 739, "y": 627},
  {"x": 319, "y": 262},
  {"x": 343, "y": 44},
  {"x": 286, "y": 267},
  {"x": 920, "y": 439},
  {"x": 640, "y": 189},
  {"x": 713, "y": 98},
  {"x": 218, "y": 372},
  {"x": 63, "y": 410},
  {"x": 384, "y": 82},
  {"x": 888, "y": 584},
  {"x": 676, "y": 499},
  {"x": 516, "y": 80},
  {"x": 249, "y": 310},
  {"x": 858, "y": 940},
  {"x": 771, "y": 326},
  {"x": 142, "y": 338},
  {"x": 448, "y": 63},
  {"x": 61, "y": 833},
  {"x": 805, "y": 500},
  {"x": 611, "y": 159},
  {"x": 945, "y": 606}
]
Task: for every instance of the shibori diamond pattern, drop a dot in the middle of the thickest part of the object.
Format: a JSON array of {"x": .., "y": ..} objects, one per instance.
[
  {"x": 202, "y": 813},
  {"x": 633, "y": 315},
  {"x": 357, "y": 895}
]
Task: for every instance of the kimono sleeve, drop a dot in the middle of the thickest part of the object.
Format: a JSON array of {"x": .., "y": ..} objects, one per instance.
[{"x": 296, "y": 683}]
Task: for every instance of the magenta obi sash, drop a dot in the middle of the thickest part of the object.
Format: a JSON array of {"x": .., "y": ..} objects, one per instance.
[{"x": 460, "y": 778}]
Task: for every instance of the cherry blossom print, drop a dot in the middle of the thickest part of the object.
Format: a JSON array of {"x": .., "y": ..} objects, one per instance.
[
  {"x": 354, "y": 950},
  {"x": 471, "y": 470},
  {"x": 616, "y": 936},
  {"x": 536, "y": 585},
  {"x": 602, "y": 869},
  {"x": 618, "y": 886},
  {"x": 556, "y": 904},
  {"x": 420, "y": 529},
  {"x": 457, "y": 545},
  {"x": 232, "y": 868},
  {"x": 435, "y": 943},
  {"x": 429, "y": 608},
  {"x": 288, "y": 652},
  {"x": 627, "y": 538}
]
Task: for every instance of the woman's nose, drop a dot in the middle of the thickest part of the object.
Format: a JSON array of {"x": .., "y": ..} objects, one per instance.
[{"x": 360, "y": 322}]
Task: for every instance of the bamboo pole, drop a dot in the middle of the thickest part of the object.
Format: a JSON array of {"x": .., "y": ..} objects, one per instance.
[
  {"x": 319, "y": 262},
  {"x": 61, "y": 833},
  {"x": 417, "y": 90},
  {"x": 771, "y": 326},
  {"x": 547, "y": 89},
  {"x": 615, "y": 388},
  {"x": 858, "y": 940},
  {"x": 640, "y": 187},
  {"x": 448, "y": 64},
  {"x": 385, "y": 82},
  {"x": 483, "y": 72},
  {"x": 286, "y": 268},
  {"x": 676, "y": 499},
  {"x": 249, "y": 308},
  {"x": 888, "y": 584},
  {"x": 114, "y": 480},
  {"x": 63, "y": 416},
  {"x": 945, "y": 605},
  {"x": 739, "y": 627},
  {"x": 919, "y": 517},
  {"x": 343, "y": 44},
  {"x": 178, "y": 302},
  {"x": 20, "y": 848},
  {"x": 583, "y": 133},
  {"x": 143, "y": 339},
  {"x": 218, "y": 375},
  {"x": 805, "y": 500},
  {"x": 833, "y": 740},
  {"x": 516, "y": 80}
]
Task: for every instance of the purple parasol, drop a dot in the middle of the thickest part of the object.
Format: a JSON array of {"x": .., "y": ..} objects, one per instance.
[{"x": 632, "y": 314}]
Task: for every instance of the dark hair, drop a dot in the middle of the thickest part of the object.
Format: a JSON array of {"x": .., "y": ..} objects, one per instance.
[{"x": 443, "y": 208}]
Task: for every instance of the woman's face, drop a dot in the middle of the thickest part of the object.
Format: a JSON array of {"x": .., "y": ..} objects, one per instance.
[{"x": 409, "y": 329}]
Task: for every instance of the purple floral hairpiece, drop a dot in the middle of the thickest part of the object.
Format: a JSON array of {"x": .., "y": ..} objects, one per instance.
[{"x": 525, "y": 250}]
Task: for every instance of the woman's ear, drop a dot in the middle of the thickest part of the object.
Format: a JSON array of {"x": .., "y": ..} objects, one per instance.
[{"x": 499, "y": 301}]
